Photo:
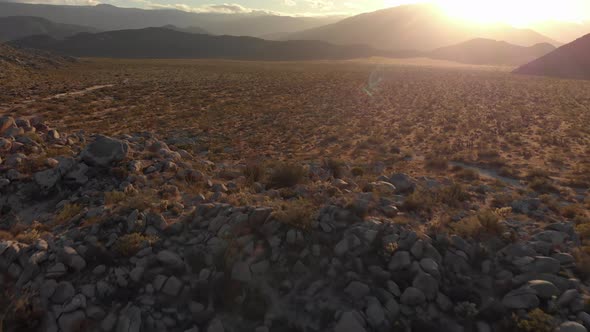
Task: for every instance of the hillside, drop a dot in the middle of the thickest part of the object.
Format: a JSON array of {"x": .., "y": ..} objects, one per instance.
[
  {"x": 191, "y": 29},
  {"x": 166, "y": 43},
  {"x": 12, "y": 60},
  {"x": 16, "y": 27},
  {"x": 565, "y": 32},
  {"x": 419, "y": 27},
  {"x": 490, "y": 52},
  {"x": 107, "y": 17},
  {"x": 569, "y": 61}
]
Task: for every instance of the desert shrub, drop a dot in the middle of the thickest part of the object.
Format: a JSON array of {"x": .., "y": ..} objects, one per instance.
[
  {"x": 357, "y": 171},
  {"x": 542, "y": 185},
  {"x": 436, "y": 163},
  {"x": 452, "y": 195},
  {"x": 485, "y": 223},
  {"x": 419, "y": 200},
  {"x": 335, "y": 166},
  {"x": 114, "y": 197},
  {"x": 68, "y": 212},
  {"x": 298, "y": 213},
  {"x": 254, "y": 172},
  {"x": 576, "y": 212},
  {"x": 536, "y": 321},
  {"x": 286, "y": 175},
  {"x": 129, "y": 244},
  {"x": 467, "y": 174}
]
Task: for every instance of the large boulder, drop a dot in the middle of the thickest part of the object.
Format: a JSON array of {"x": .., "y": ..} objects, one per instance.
[
  {"x": 571, "y": 327},
  {"x": 522, "y": 298},
  {"x": 105, "y": 151}
]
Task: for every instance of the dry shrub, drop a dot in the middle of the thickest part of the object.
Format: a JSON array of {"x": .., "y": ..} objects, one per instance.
[
  {"x": 335, "y": 166},
  {"x": 485, "y": 223},
  {"x": 298, "y": 213},
  {"x": 452, "y": 195},
  {"x": 436, "y": 163},
  {"x": 535, "y": 321},
  {"x": 129, "y": 244},
  {"x": 287, "y": 175},
  {"x": 254, "y": 172},
  {"x": 68, "y": 212}
]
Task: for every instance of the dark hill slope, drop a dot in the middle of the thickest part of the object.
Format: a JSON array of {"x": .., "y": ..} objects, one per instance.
[
  {"x": 490, "y": 52},
  {"x": 166, "y": 43},
  {"x": 16, "y": 27},
  {"x": 569, "y": 61}
]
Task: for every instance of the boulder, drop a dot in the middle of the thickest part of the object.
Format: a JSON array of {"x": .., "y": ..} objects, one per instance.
[
  {"x": 413, "y": 296},
  {"x": 105, "y": 151},
  {"x": 349, "y": 322},
  {"x": 571, "y": 327},
  {"x": 522, "y": 298},
  {"x": 544, "y": 289}
]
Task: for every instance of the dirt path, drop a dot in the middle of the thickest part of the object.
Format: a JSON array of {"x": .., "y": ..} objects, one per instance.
[{"x": 79, "y": 92}]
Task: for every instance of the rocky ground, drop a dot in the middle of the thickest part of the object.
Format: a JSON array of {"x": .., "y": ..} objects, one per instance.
[{"x": 132, "y": 233}]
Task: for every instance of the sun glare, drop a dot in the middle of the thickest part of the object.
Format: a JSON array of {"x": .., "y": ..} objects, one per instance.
[{"x": 515, "y": 12}]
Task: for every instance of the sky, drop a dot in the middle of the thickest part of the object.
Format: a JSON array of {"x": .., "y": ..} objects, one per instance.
[{"x": 516, "y": 12}]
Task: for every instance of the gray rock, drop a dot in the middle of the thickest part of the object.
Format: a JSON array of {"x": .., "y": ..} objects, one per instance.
[
  {"x": 402, "y": 183},
  {"x": 215, "y": 326},
  {"x": 172, "y": 286},
  {"x": 137, "y": 273},
  {"x": 567, "y": 297},
  {"x": 63, "y": 292},
  {"x": 375, "y": 312},
  {"x": 129, "y": 320},
  {"x": 522, "y": 298},
  {"x": 346, "y": 244},
  {"x": 350, "y": 322},
  {"x": 413, "y": 297},
  {"x": 77, "y": 302},
  {"x": 543, "y": 264},
  {"x": 357, "y": 290},
  {"x": 241, "y": 272},
  {"x": 427, "y": 284},
  {"x": 105, "y": 151},
  {"x": 584, "y": 317},
  {"x": 47, "y": 179},
  {"x": 72, "y": 259},
  {"x": 544, "y": 289},
  {"x": 72, "y": 322},
  {"x": 170, "y": 258},
  {"x": 553, "y": 237},
  {"x": 108, "y": 323},
  {"x": 401, "y": 260},
  {"x": 571, "y": 327}
]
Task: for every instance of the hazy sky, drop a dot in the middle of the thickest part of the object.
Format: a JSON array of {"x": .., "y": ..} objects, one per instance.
[{"x": 512, "y": 11}]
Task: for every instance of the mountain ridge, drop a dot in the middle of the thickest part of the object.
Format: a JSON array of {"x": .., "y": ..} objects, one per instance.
[{"x": 569, "y": 61}]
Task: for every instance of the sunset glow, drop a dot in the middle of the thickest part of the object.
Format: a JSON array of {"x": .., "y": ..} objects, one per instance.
[{"x": 517, "y": 13}]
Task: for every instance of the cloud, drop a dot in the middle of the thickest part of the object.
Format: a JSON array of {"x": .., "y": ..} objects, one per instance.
[
  {"x": 290, "y": 3},
  {"x": 63, "y": 2}
]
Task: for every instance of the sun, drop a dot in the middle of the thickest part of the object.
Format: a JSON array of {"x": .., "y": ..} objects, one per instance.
[{"x": 514, "y": 12}]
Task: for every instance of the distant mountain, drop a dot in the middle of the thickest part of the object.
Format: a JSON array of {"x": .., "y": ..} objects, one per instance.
[
  {"x": 565, "y": 32},
  {"x": 419, "y": 26},
  {"x": 569, "y": 61},
  {"x": 196, "y": 30},
  {"x": 16, "y": 27},
  {"x": 107, "y": 17},
  {"x": 490, "y": 52},
  {"x": 166, "y": 43}
]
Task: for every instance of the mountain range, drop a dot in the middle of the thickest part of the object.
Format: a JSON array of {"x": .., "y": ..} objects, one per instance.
[
  {"x": 107, "y": 17},
  {"x": 569, "y": 61},
  {"x": 15, "y": 27},
  {"x": 168, "y": 43},
  {"x": 415, "y": 27},
  {"x": 491, "y": 52}
]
